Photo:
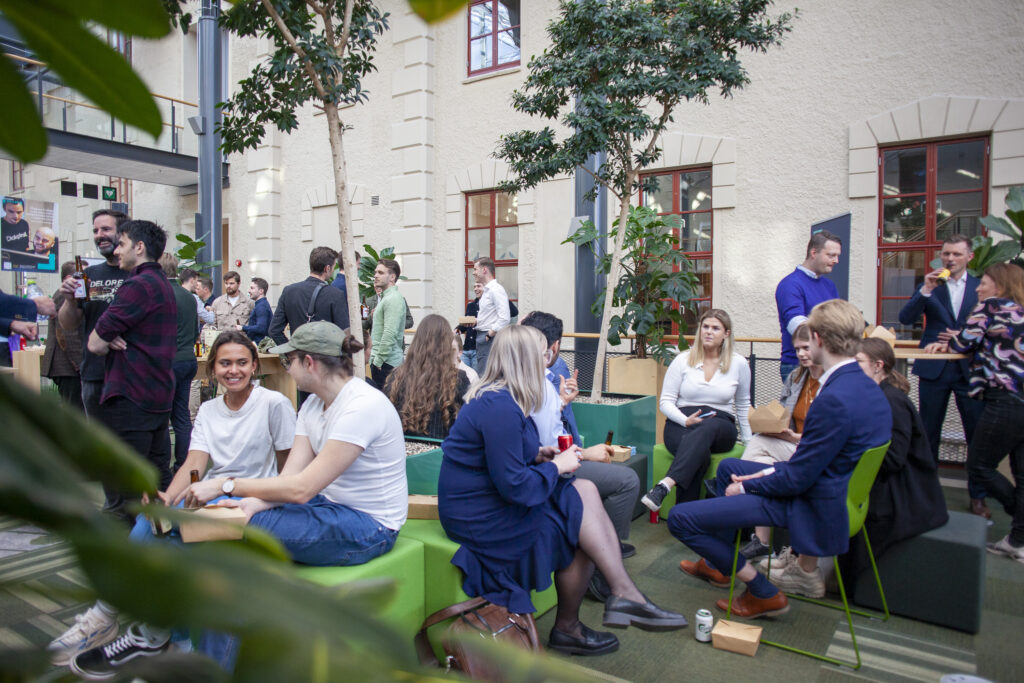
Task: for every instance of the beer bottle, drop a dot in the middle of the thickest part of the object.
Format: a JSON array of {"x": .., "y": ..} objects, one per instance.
[
  {"x": 608, "y": 439},
  {"x": 193, "y": 476},
  {"x": 82, "y": 290}
]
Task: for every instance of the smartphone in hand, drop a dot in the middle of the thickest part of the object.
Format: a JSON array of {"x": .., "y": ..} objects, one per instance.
[{"x": 710, "y": 413}]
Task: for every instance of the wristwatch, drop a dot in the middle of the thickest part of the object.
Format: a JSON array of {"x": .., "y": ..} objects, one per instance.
[{"x": 228, "y": 486}]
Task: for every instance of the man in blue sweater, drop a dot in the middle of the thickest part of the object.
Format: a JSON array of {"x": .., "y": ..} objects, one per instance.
[
  {"x": 803, "y": 289},
  {"x": 259, "y": 320}
]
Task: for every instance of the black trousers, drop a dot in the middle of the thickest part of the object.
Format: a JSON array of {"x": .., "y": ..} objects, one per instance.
[
  {"x": 1000, "y": 434},
  {"x": 380, "y": 375},
  {"x": 692, "y": 448}
]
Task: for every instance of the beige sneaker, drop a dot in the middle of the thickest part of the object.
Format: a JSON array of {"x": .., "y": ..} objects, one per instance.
[
  {"x": 785, "y": 558},
  {"x": 793, "y": 579},
  {"x": 92, "y": 628}
]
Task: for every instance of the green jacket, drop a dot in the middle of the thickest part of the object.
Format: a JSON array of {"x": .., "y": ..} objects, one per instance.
[{"x": 388, "y": 329}]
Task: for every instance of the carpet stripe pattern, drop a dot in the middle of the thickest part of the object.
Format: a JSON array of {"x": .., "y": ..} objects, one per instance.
[{"x": 897, "y": 658}]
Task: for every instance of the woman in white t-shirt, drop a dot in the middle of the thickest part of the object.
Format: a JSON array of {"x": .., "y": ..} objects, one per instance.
[
  {"x": 701, "y": 388},
  {"x": 342, "y": 496}
]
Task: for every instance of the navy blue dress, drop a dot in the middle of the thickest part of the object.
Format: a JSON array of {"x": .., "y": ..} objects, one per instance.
[{"x": 517, "y": 521}]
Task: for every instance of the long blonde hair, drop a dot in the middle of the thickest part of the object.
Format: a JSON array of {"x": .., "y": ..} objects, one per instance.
[
  {"x": 696, "y": 356},
  {"x": 516, "y": 363}
]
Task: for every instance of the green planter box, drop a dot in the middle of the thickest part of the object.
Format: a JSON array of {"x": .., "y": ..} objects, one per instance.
[
  {"x": 423, "y": 469},
  {"x": 633, "y": 422}
]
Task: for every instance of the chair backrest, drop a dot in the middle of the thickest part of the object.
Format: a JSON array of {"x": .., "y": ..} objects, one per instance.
[{"x": 858, "y": 491}]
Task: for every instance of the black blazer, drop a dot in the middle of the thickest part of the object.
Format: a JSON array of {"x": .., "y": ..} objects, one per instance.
[
  {"x": 938, "y": 312},
  {"x": 331, "y": 305},
  {"x": 906, "y": 499}
]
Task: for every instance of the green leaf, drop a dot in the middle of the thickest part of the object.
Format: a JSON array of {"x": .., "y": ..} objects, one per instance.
[
  {"x": 22, "y": 133},
  {"x": 1000, "y": 225},
  {"x": 104, "y": 77},
  {"x": 144, "y": 18},
  {"x": 436, "y": 10}
]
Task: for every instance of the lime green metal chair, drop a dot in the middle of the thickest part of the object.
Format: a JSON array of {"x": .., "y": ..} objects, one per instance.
[
  {"x": 858, "y": 492},
  {"x": 662, "y": 459}
]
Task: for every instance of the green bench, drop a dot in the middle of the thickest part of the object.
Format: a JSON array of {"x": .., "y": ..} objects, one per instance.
[
  {"x": 661, "y": 460},
  {"x": 442, "y": 579},
  {"x": 405, "y": 564}
]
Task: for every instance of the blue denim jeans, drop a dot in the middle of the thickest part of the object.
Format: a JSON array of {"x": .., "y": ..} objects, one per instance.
[
  {"x": 318, "y": 533},
  {"x": 469, "y": 358},
  {"x": 181, "y": 420}
]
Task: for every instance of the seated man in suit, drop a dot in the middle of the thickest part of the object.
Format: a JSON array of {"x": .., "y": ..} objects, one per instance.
[
  {"x": 807, "y": 495},
  {"x": 946, "y": 303}
]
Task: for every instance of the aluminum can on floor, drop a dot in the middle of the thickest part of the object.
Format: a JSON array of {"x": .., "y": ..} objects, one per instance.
[{"x": 704, "y": 623}]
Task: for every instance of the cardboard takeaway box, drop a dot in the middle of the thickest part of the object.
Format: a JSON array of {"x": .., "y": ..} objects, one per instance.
[
  {"x": 888, "y": 335},
  {"x": 213, "y": 523},
  {"x": 467, "y": 320},
  {"x": 621, "y": 453},
  {"x": 736, "y": 637},
  {"x": 422, "y": 507},
  {"x": 770, "y": 418}
]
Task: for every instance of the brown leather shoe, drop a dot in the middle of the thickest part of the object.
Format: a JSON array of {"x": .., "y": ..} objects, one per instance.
[
  {"x": 746, "y": 606},
  {"x": 979, "y": 508},
  {"x": 702, "y": 570}
]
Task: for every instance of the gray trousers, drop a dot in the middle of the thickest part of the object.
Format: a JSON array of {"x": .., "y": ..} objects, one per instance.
[{"x": 619, "y": 488}]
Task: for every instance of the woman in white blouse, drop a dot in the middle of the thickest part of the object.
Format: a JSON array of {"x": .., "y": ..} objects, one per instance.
[{"x": 706, "y": 391}]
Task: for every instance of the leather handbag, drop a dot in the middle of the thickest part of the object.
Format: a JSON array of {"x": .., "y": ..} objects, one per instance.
[{"x": 483, "y": 618}]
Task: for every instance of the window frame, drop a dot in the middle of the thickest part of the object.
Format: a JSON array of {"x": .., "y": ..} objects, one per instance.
[
  {"x": 17, "y": 176},
  {"x": 495, "y": 66},
  {"x": 491, "y": 228},
  {"x": 931, "y": 244},
  {"x": 692, "y": 256}
]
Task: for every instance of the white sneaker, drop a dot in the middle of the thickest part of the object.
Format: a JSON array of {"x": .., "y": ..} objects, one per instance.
[
  {"x": 92, "y": 628},
  {"x": 793, "y": 579},
  {"x": 1003, "y": 547},
  {"x": 785, "y": 558}
]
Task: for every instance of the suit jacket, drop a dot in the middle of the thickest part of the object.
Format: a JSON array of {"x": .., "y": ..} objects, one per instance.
[
  {"x": 561, "y": 369},
  {"x": 848, "y": 416},
  {"x": 938, "y": 312},
  {"x": 291, "y": 307}
]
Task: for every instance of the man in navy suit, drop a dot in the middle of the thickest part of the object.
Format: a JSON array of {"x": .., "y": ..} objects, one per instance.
[
  {"x": 945, "y": 306},
  {"x": 807, "y": 495}
]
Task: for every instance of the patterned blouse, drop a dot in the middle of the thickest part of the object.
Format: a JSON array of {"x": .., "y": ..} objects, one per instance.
[{"x": 994, "y": 333}]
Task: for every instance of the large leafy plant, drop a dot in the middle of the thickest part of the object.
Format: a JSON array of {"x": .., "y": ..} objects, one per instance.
[
  {"x": 188, "y": 254},
  {"x": 987, "y": 250},
  {"x": 613, "y": 75},
  {"x": 655, "y": 284}
]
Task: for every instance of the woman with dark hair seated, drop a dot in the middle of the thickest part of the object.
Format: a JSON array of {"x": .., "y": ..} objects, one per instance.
[
  {"x": 906, "y": 499},
  {"x": 427, "y": 388},
  {"x": 518, "y": 513}
]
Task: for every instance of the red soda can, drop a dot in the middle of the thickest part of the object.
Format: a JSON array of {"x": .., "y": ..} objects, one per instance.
[{"x": 564, "y": 442}]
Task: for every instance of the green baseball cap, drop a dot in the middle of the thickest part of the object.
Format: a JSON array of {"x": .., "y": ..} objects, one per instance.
[{"x": 320, "y": 337}]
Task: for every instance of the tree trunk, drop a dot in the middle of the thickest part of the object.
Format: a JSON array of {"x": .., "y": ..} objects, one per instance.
[
  {"x": 613, "y": 276},
  {"x": 348, "y": 251}
]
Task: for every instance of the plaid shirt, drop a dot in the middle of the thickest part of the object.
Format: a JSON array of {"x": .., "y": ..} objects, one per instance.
[{"x": 144, "y": 314}]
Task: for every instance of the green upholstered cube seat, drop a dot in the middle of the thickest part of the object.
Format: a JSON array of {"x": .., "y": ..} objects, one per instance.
[
  {"x": 404, "y": 564},
  {"x": 662, "y": 459},
  {"x": 442, "y": 579}
]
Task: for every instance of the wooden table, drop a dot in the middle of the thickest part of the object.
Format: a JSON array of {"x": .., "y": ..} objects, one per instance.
[
  {"x": 272, "y": 376},
  {"x": 903, "y": 354},
  {"x": 26, "y": 366}
]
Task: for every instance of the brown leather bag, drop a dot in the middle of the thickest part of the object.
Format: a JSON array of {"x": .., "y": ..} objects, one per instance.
[{"x": 486, "y": 619}]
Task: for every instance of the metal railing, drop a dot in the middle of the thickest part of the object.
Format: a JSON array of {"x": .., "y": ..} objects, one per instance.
[{"x": 62, "y": 108}]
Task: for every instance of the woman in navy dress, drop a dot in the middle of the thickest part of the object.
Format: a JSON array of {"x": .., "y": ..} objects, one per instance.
[{"x": 520, "y": 515}]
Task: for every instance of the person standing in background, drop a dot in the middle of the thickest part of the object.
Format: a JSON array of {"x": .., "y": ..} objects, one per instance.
[
  {"x": 185, "y": 364},
  {"x": 469, "y": 346},
  {"x": 63, "y": 356},
  {"x": 494, "y": 311},
  {"x": 388, "y": 322},
  {"x": 232, "y": 308},
  {"x": 259, "y": 320}
]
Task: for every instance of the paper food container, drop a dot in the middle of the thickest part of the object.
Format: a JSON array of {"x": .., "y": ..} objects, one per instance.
[
  {"x": 422, "y": 507},
  {"x": 467, "y": 320},
  {"x": 213, "y": 523},
  {"x": 888, "y": 335},
  {"x": 620, "y": 453},
  {"x": 770, "y": 418},
  {"x": 736, "y": 637}
]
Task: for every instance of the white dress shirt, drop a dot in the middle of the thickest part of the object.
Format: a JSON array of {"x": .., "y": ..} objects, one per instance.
[
  {"x": 686, "y": 386},
  {"x": 494, "y": 312}
]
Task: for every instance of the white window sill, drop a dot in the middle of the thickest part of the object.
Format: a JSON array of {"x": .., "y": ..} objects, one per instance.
[{"x": 492, "y": 74}]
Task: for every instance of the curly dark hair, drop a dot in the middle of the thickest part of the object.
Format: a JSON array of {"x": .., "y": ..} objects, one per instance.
[{"x": 426, "y": 382}]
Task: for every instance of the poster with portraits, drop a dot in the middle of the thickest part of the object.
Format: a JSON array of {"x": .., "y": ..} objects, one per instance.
[{"x": 28, "y": 233}]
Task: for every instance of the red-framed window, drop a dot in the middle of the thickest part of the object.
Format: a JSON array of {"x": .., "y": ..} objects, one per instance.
[
  {"x": 927, "y": 192},
  {"x": 494, "y": 40},
  {"x": 17, "y": 176},
  {"x": 492, "y": 230},
  {"x": 687, "y": 193}
]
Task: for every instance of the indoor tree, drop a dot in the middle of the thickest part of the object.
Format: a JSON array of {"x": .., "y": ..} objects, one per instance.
[{"x": 612, "y": 76}]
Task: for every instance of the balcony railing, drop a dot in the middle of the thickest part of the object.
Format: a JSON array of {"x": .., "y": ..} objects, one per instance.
[{"x": 62, "y": 108}]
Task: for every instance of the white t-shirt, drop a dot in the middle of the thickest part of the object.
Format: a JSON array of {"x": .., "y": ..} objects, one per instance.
[
  {"x": 375, "y": 482},
  {"x": 241, "y": 443}
]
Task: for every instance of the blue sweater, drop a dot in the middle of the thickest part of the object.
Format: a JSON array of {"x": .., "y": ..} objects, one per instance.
[
  {"x": 797, "y": 294},
  {"x": 259, "y": 321}
]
